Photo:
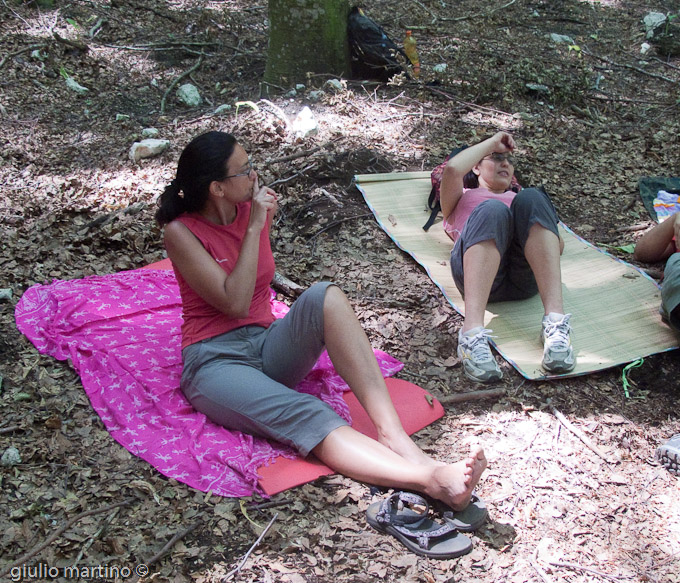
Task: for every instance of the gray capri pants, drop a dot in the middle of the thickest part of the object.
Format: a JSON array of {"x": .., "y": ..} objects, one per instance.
[
  {"x": 509, "y": 229},
  {"x": 670, "y": 292},
  {"x": 244, "y": 379}
]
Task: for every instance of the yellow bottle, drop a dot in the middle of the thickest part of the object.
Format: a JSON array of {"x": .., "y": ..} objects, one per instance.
[{"x": 412, "y": 53}]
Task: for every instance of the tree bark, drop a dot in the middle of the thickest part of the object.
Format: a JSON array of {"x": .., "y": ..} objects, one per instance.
[{"x": 306, "y": 36}]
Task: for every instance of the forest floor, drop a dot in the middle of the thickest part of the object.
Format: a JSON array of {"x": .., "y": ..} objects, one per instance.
[{"x": 591, "y": 117}]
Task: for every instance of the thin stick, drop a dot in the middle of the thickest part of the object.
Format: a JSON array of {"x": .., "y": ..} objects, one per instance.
[
  {"x": 171, "y": 543},
  {"x": 57, "y": 533},
  {"x": 9, "y": 429},
  {"x": 238, "y": 568},
  {"x": 542, "y": 574},
  {"x": 339, "y": 222},
  {"x": 626, "y": 66},
  {"x": 472, "y": 396},
  {"x": 578, "y": 433},
  {"x": 24, "y": 50},
  {"x": 178, "y": 79},
  {"x": 586, "y": 570},
  {"x": 298, "y": 155}
]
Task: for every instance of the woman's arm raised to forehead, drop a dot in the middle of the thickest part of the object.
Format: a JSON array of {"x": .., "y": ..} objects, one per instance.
[{"x": 451, "y": 188}]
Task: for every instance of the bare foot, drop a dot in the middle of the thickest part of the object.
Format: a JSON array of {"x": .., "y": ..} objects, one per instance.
[
  {"x": 453, "y": 484},
  {"x": 407, "y": 448}
]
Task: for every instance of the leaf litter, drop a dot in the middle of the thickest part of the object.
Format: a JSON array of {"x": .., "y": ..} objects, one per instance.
[{"x": 74, "y": 205}]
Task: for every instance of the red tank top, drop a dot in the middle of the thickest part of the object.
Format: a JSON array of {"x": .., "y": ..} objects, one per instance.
[{"x": 223, "y": 242}]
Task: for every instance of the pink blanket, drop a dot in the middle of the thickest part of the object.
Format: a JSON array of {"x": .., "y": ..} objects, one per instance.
[{"x": 122, "y": 334}]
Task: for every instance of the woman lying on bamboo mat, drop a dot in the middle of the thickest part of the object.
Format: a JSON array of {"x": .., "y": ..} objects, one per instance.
[
  {"x": 507, "y": 247},
  {"x": 240, "y": 364}
]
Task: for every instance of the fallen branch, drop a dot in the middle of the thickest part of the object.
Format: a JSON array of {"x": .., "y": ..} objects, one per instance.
[
  {"x": 472, "y": 396},
  {"x": 95, "y": 536},
  {"x": 178, "y": 79},
  {"x": 238, "y": 568},
  {"x": 578, "y": 433},
  {"x": 10, "y": 429},
  {"x": 70, "y": 43},
  {"x": 287, "y": 286},
  {"x": 282, "y": 180},
  {"x": 297, "y": 155},
  {"x": 56, "y": 534},
  {"x": 479, "y": 14},
  {"x": 626, "y": 66},
  {"x": 180, "y": 535}
]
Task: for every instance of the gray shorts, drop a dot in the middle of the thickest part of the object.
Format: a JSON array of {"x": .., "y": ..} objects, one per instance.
[
  {"x": 509, "y": 229},
  {"x": 244, "y": 379},
  {"x": 670, "y": 291}
]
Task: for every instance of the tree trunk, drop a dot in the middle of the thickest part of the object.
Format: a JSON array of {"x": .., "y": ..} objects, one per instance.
[{"x": 306, "y": 36}]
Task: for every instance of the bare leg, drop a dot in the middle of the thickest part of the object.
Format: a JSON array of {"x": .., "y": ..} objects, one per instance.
[
  {"x": 542, "y": 251},
  {"x": 480, "y": 266},
  {"x": 357, "y": 456},
  {"x": 353, "y": 358}
]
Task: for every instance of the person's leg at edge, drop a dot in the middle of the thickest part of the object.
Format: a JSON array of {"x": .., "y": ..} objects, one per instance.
[
  {"x": 480, "y": 265},
  {"x": 359, "y": 457},
  {"x": 542, "y": 251},
  {"x": 353, "y": 358}
]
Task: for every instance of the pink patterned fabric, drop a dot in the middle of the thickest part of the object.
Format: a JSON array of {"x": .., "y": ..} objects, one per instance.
[{"x": 122, "y": 334}]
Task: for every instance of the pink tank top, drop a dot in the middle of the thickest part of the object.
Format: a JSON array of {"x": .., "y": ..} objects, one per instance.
[
  {"x": 223, "y": 242},
  {"x": 454, "y": 223}
]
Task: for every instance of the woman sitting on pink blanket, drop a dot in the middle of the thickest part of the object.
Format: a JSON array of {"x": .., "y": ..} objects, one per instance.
[{"x": 240, "y": 364}]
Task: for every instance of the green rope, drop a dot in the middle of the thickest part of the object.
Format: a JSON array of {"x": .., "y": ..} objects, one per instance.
[{"x": 626, "y": 369}]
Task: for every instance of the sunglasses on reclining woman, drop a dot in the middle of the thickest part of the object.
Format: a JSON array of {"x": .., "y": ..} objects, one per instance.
[{"x": 498, "y": 158}]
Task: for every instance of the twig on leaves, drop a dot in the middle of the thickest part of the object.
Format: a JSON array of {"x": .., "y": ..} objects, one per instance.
[
  {"x": 627, "y": 66},
  {"x": 10, "y": 429},
  {"x": 479, "y": 14},
  {"x": 578, "y": 567},
  {"x": 24, "y": 50},
  {"x": 296, "y": 155},
  {"x": 57, "y": 533},
  {"x": 282, "y": 180},
  {"x": 178, "y": 536},
  {"x": 95, "y": 536},
  {"x": 70, "y": 43},
  {"x": 178, "y": 79},
  {"x": 542, "y": 574},
  {"x": 339, "y": 222},
  {"x": 578, "y": 433},
  {"x": 229, "y": 576}
]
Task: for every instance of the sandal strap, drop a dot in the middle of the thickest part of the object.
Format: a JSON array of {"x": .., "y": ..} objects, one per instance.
[
  {"x": 390, "y": 507},
  {"x": 425, "y": 536}
]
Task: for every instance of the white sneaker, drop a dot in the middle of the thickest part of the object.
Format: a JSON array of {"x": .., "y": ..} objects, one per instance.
[
  {"x": 558, "y": 353},
  {"x": 475, "y": 354}
]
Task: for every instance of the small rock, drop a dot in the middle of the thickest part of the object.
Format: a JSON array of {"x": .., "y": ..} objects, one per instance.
[
  {"x": 150, "y": 133},
  {"x": 561, "y": 38},
  {"x": 147, "y": 149},
  {"x": 440, "y": 68},
  {"x": 315, "y": 96},
  {"x": 11, "y": 457},
  {"x": 644, "y": 48},
  {"x": 538, "y": 88},
  {"x": 73, "y": 85},
  {"x": 5, "y": 294},
  {"x": 189, "y": 95},
  {"x": 304, "y": 123},
  {"x": 122, "y": 117},
  {"x": 335, "y": 85},
  {"x": 291, "y": 93},
  {"x": 652, "y": 21},
  {"x": 299, "y": 87},
  {"x": 223, "y": 109}
]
